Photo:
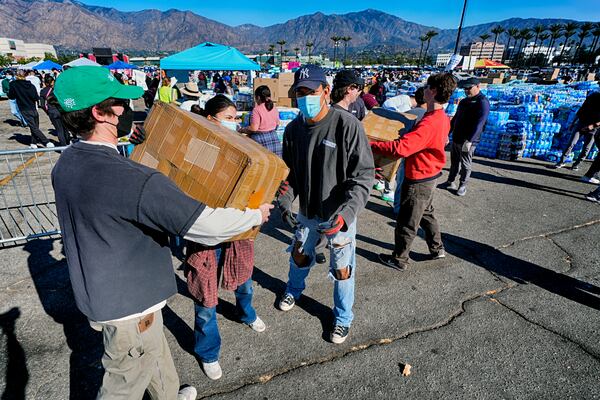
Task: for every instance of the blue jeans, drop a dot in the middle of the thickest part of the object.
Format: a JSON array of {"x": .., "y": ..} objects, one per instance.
[
  {"x": 398, "y": 191},
  {"x": 206, "y": 331},
  {"x": 342, "y": 254}
]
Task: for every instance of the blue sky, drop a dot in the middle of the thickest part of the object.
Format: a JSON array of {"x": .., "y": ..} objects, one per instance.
[{"x": 438, "y": 13}]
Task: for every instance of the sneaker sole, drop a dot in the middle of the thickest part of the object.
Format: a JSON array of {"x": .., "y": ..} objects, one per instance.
[{"x": 338, "y": 340}]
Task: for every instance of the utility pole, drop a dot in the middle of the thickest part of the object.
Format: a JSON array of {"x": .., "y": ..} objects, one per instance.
[{"x": 462, "y": 18}]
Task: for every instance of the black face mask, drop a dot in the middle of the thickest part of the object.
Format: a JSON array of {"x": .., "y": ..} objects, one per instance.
[{"x": 125, "y": 122}]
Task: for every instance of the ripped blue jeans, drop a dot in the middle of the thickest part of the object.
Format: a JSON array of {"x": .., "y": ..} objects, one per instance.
[{"x": 342, "y": 248}]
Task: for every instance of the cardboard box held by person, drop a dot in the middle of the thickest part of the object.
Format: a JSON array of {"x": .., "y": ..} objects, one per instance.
[
  {"x": 212, "y": 164},
  {"x": 385, "y": 125}
]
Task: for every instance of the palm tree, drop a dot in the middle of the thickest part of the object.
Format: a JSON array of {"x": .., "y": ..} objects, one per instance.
[
  {"x": 596, "y": 35},
  {"x": 271, "y": 51},
  {"x": 345, "y": 39},
  {"x": 423, "y": 39},
  {"x": 543, "y": 38},
  {"x": 513, "y": 33},
  {"x": 497, "y": 30},
  {"x": 430, "y": 35},
  {"x": 526, "y": 38},
  {"x": 584, "y": 31},
  {"x": 568, "y": 31},
  {"x": 538, "y": 30},
  {"x": 336, "y": 40},
  {"x": 309, "y": 47},
  {"x": 297, "y": 51},
  {"x": 524, "y": 34},
  {"x": 483, "y": 38},
  {"x": 555, "y": 33},
  {"x": 281, "y": 43}
]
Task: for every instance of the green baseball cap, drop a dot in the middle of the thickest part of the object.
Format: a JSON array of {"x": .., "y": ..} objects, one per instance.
[{"x": 82, "y": 87}]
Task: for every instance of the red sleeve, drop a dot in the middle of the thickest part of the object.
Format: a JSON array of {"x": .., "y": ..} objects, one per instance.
[{"x": 411, "y": 143}]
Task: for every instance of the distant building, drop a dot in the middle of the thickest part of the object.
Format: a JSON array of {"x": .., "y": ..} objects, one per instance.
[
  {"x": 475, "y": 50},
  {"x": 442, "y": 59},
  {"x": 141, "y": 61},
  {"x": 18, "y": 49}
]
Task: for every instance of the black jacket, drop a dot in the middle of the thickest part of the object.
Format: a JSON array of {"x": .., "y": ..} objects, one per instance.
[
  {"x": 470, "y": 118},
  {"x": 25, "y": 93}
]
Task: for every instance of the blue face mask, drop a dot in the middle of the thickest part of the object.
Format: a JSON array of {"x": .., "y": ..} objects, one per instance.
[
  {"x": 310, "y": 106},
  {"x": 229, "y": 125}
]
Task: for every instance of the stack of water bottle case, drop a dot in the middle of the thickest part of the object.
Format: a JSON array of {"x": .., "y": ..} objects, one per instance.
[{"x": 529, "y": 120}]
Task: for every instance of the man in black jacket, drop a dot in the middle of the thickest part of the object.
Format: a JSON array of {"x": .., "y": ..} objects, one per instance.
[
  {"x": 27, "y": 97},
  {"x": 466, "y": 126},
  {"x": 331, "y": 171}
]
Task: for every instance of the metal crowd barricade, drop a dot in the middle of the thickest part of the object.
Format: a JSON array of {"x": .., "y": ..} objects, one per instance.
[{"x": 27, "y": 204}]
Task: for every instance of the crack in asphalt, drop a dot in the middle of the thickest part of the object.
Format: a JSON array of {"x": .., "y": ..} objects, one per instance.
[
  {"x": 551, "y": 233},
  {"x": 364, "y": 346},
  {"x": 569, "y": 257},
  {"x": 582, "y": 347}
]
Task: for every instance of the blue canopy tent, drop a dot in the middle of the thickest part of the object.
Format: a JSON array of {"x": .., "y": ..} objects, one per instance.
[
  {"x": 209, "y": 56},
  {"x": 120, "y": 65},
  {"x": 47, "y": 66}
]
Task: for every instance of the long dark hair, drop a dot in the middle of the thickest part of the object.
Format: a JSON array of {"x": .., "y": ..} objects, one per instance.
[
  {"x": 264, "y": 94},
  {"x": 216, "y": 105}
]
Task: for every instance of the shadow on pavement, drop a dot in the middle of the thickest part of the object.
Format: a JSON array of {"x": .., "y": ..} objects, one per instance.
[
  {"x": 522, "y": 271},
  {"x": 20, "y": 138},
  {"x": 528, "y": 168},
  {"x": 51, "y": 280},
  {"x": 528, "y": 185},
  {"x": 308, "y": 304},
  {"x": 17, "y": 375}
]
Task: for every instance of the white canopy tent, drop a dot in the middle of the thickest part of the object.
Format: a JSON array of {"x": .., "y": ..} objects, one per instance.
[{"x": 80, "y": 62}]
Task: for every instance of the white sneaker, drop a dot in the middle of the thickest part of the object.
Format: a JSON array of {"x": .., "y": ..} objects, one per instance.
[
  {"x": 212, "y": 370},
  {"x": 187, "y": 393},
  {"x": 49, "y": 145},
  {"x": 258, "y": 325},
  {"x": 593, "y": 180},
  {"x": 33, "y": 146}
]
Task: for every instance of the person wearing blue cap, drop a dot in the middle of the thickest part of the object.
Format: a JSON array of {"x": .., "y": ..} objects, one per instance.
[{"x": 331, "y": 171}]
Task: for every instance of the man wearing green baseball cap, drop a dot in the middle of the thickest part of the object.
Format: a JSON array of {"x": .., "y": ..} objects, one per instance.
[{"x": 115, "y": 217}]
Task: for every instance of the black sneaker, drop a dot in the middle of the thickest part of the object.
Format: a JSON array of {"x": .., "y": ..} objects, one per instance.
[
  {"x": 287, "y": 302},
  {"x": 575, "y": 167},
  {"x": 436, "y": 255},
  {"x": 320, "y": 258},
  {"x": 393, "y": 262},
  {"x": 559, "y": 165},
  {"x": 339, "y": 334}
]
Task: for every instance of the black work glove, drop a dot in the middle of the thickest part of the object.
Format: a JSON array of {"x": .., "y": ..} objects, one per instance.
[
  {"x": 138, "y": 135},
  {"x": 288, "y": 218}
]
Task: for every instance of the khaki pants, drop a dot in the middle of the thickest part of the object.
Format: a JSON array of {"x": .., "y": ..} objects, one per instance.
[{"x": 135, "y": 362}]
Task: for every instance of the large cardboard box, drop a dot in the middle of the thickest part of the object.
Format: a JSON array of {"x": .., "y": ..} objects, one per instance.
[
  {"x": 386, "y": 125},
  {"x": 273, "y": 85},
  {"x": 286, "y": 102},
  {"x": 381, "y": 124},
  {"x": 284, "y": 87},
  {"x": 210, "y": 163}
]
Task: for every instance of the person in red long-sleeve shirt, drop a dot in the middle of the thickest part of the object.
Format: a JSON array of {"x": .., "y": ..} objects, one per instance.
[{"x": 423, "y": 151}]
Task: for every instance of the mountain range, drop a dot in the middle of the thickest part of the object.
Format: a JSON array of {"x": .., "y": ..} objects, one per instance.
[{"x": 72, "y": 25}]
